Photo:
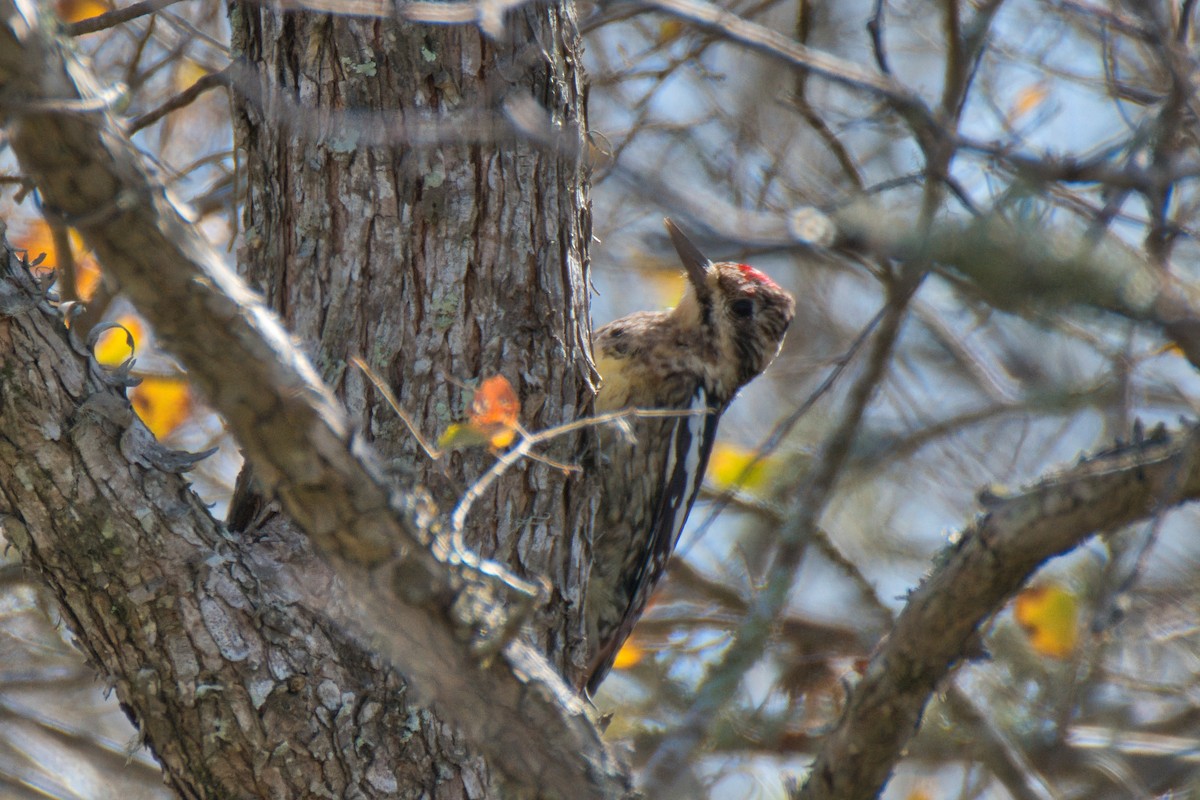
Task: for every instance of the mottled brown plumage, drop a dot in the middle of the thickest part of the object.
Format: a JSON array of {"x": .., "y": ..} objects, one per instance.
[{"x": 724, "y": 332}]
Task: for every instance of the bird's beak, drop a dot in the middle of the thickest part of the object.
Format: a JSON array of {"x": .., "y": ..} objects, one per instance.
[{"x": 698, "y": 265}]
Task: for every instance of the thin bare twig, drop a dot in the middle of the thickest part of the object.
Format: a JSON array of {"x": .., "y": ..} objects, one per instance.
[
  {"x": 772, "y": 43},
  {"x": 381, "y": 385},
  {"x": 878, "y": 46},
  {"x": 522, "y": 449},
  {"x": 782, "y": 429},
  {"x": 180, "y": 100}
]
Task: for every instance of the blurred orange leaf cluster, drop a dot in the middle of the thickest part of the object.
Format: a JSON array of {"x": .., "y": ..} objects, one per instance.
[
  {"x": 492, "y": 419},
  {"x": 36, "y": 238},
  {"x": 162, "y": 402},
  {"x": 1049, "y": 616}
]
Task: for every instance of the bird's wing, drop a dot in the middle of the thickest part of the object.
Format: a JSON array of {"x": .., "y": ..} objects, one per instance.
[{"x": 692, "y": 438}]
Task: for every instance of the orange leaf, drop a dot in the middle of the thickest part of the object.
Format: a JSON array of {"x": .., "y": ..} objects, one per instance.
[
  {"x": 75, "y": 10},
  {"x": 162, "y": 402},
  {"x": 629, "y": 655},
  {"x": 37, "y": 239},
  {"x": 495, "y": 403},
  {"x": 491, "y": 419},
  {"x": 87, "y": 275},
  {"x": 1049, "y": 616},
  {"x": 494, "y": 411},
  {"x": 1029, "y": 99},
  {"x": 114, "y": 345}
]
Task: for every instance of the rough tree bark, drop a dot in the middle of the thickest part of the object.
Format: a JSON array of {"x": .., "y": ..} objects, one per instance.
[
  {"x": 437, "y": 263},
  {"x": 433, "y": 264}
]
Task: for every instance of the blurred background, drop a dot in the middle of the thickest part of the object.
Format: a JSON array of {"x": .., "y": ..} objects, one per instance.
[{"x": 1075, "y": 118}]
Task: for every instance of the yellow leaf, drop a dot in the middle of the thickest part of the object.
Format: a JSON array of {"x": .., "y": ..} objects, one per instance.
[
  {"x": 163, "y": 402},
  {"x": 502, "y": 438},
  {"x": 727, "y": 468},
  {"x": 667, "y": 285},
  {"x": 75, "y": 10},
  {"x": 1170, "y": 348},
  {"x": 187, "y": 72},
  {"x": 1049, "y": 616},
  {"x": 629, "y": 655},
  {"x": 460, "y": 436},
  {"x": 662, "y": 281},
  {"x": 114, "y": 345},
  {"x": 920, "y": 792},
  {"x": 669, "y": 30}
]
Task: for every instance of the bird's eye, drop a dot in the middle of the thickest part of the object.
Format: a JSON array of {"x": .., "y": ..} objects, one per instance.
[{"x": 742, "y": 308}]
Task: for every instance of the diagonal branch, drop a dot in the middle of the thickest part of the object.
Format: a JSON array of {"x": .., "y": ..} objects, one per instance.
[
  {"x": 181, "y": 100},
  {"x": 515, "y": 708},
  {"x": 1012, "y": 261},
  {"x": 990, "y": 560}
]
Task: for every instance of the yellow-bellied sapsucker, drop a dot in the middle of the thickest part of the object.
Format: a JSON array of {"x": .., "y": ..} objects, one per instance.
[{"x": 693, "y": 358}]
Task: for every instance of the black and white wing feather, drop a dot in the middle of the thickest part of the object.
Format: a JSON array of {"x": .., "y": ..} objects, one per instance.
[{"x": 692, "y": 438}]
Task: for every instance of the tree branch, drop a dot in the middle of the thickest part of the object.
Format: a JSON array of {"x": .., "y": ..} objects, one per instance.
[
  {"x": 1012, "y": 262},
  {"x": 185, "y": 98},
  {"x": 771, "y": 43},
  {"x": 990, "y": 560},
  {"x": 421, "y": 611}
]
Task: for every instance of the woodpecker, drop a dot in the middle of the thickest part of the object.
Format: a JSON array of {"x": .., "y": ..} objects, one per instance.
[{"x": 692, "y": 359}]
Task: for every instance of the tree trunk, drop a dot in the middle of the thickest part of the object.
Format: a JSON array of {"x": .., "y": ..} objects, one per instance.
[{"x": 437, "y": 266}]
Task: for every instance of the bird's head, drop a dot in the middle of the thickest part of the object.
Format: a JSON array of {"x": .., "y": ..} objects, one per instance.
[{"x": 744, "y": 311}]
